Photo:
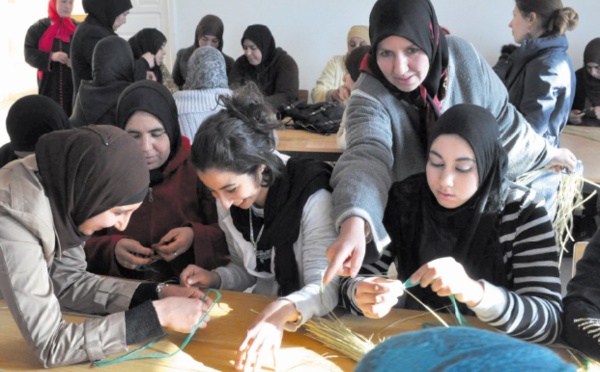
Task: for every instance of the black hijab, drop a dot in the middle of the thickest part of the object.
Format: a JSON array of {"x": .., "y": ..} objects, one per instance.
[
  {"x": 468, "y": 233},
  {"x": 262, "y": 37},
  {"x": 87, "y": 171},
  {"x": 153, "y": 98},
  {"x": 106, "y": 11},
  {"x": 591, "y": 85},
  {"x": 31, "y": 117},
  {"x": 416, "y": 21},
  {"x": 210, "y": 25},
  {"x": 147, "y": 40},
  {"x": 354, "y": 60}
]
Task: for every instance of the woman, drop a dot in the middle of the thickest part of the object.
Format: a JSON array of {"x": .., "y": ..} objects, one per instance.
[
  {"x": 148, "y": 46},
  {"x": 177, "y": 222},
  {"x": 207, "y": 80},
  {"x": 330, "y": 86},
  {"x": 412, "y": 74},
  {"x": 462, "y": 229},
  {"x": 582, "y": 303},
  {"x": 271, "y": 68},
  {"x": 209, "y": 32},
  {"x": 276, "y": 215},
  {"x": 103, "y": 18},
  {"x": 79, "y": 181},
  {"x": 539, "y": 76},
  {"x": 47, "y": 48},
  {"x": 28, "y": 119},
  {"x": 113, "y": 71},
  {"x": 586, "y": 104}
]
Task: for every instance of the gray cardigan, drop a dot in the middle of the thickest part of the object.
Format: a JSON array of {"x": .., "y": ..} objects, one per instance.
[{"x": 383, "y": 146}]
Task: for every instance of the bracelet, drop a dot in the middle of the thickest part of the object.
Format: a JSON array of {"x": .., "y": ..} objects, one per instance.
[{"x": 160, "y": 287}]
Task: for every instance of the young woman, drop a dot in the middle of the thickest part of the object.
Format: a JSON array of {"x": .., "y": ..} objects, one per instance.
[
  {"x": 582, "y": 304},
  {"x": 273, "y": 70},
  {"x": 207, "y": 80},
  {"x": 413, "y": 72},
  {"x": 78, "y": 182},
  {"x": 586, "y": 104},
  {"x": 462, "y": 229},
  {"x": 177, "y": 222},
  {"x": 209, "y": 32},
  {"x": 330, "y": 86},
  {"x": 47, "y": 48},
  {"x": 28, "y": 119},
  {"x": 276, "y": 215},
  {"x": 113, "y": 71},
  {"x": 103, "y": 18},
  {"x": 148, "y": 46},
  {"x": 540, "y": 77}
]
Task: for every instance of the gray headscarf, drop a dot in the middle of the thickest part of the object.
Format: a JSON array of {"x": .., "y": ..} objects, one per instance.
[{"x": 206, "y": 69}]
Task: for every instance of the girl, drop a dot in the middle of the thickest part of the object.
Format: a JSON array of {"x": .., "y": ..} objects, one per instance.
[
  {"x": 177, "y": 223},
  {"x": 539, "y": 76},
  {"x": 271, "y": 68},
  {"x": 47, "y": 49},
  {"x": 78, "y": 182},
  {"x": 412, "y": 73},
  {"x": 276, "y": 215},
  {"x": 586, "y": 105},
  {"x": 462, "y": 229},
  {"x": 103, "y": 18},
  {"x": 209, "y": 32},
  {"x": 148, "y": 46}
]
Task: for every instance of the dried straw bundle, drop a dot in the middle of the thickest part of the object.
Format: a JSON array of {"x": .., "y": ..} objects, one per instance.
[{"x": 334, "y": 334}]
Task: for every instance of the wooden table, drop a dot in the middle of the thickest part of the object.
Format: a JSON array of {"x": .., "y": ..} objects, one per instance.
[
  {"x": 302, "y": 143},
  {"x": 584, "y": 142},
  {"x": 214, "y": 348}
]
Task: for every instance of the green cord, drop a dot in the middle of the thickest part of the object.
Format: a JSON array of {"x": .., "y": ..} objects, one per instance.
[
  {"x": 459, "y": 317},
  {"x": 131, "y": 356}
]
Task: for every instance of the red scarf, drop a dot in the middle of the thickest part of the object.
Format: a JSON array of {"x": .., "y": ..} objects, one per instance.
[{"x": 61, "y": 28}]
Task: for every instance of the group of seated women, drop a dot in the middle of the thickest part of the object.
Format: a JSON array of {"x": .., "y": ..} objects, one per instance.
[{"x": 433, "y": 143}]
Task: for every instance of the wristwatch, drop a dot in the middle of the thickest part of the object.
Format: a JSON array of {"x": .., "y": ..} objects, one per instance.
[{"x": 159, "y": 288}]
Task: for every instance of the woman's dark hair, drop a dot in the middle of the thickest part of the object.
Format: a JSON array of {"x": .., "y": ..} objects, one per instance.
[
  {"x": 554, "y": 18},
  {"x": 240, "y": 138}
]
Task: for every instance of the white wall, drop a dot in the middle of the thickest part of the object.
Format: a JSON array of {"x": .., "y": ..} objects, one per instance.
[{"x": 314, "y": 30}]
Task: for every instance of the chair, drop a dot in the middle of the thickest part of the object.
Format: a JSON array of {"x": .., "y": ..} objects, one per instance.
[
  {"x": 578, "y": 250},
  {"x": 303, "y": 95}
]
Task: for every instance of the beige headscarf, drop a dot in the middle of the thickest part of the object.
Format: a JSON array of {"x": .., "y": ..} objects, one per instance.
[{"x": 360, "y": 31}]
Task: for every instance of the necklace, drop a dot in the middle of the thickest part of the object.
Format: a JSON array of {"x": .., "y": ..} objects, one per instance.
[{"x": 254, "y": 242}]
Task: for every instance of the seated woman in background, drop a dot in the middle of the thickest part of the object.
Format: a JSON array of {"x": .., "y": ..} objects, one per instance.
[
  {"x": 209, "y": 32},
  {"x": 206, "y": 81},
  {"x": 331, "y": 85},
  {"x": 273, "y": 70},
  {"x": 581, "y": 321},
  {"x": 148, "y": 47},
  {"x": 103, "y": 18},
  {"x": 177, "y": 222},
  {"x": 353, "y": 62},
  {"x": 28, "y": 119},
  {"x": 79, "y": 181},
  {"x": 586, "y": 105},
  {"x": 461, "y": 228},
  {"x": 276, "y": 215},
  {"x": 47, "y": 48},
  {"x": 96, "y": 101},
  {"x": 540, "y": 78}
]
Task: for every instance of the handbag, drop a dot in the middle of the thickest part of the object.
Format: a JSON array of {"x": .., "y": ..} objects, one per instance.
[{"x": 322, "y": 118}]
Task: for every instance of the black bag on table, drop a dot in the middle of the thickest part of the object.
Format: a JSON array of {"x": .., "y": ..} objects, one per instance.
[{"x": 322, "y": 118}]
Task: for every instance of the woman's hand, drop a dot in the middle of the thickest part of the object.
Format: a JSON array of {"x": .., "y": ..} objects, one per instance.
[
  {"x": 61, "y": 57},
  {"x": 563, "y": 158},
  {"x": 263, "y": 338},
  {"x": 174, "y": 243},
  {"x": 347, "y": 252},
  {"x": 149, "y": 57},
  {"x": 131, "y": 254},
  {"x": 596, "y": 111},
  {"x": 181, "y": 314},
  {"x": 448, "y": 277},
  {"x": 376, "y": 296},
  {"x": 575, "y": 116},
  {"x": 195, "y": 275},
  {"x": 341, "y": 94}
]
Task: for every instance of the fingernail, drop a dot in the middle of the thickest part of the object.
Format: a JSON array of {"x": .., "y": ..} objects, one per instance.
[{"x": 377, "y": 288}]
